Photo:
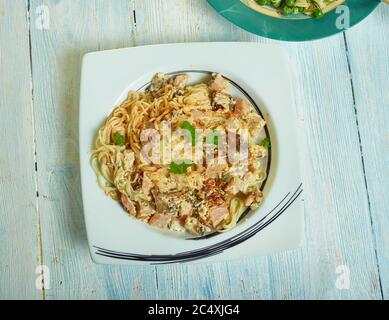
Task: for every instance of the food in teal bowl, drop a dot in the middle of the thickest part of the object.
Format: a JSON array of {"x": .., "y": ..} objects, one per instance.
[
  {"x": 269, "y": 19},
  {"x": 293, "y": 8}
]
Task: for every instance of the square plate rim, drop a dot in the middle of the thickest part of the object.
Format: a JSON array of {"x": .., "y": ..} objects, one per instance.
[{"x": 108, "y": 53}]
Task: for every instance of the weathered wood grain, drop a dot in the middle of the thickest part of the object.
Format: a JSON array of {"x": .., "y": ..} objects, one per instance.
[
  {"x": 19, "y": 250},
  {"x": 76, "y": 27},
  {"x": 368, "y": 46}
]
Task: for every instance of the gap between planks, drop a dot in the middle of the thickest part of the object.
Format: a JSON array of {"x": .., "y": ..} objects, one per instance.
[
  {"x": 133, "y": 21},
  {"x": 363, "y": 163},
  {"x": 39, "y": 227}
]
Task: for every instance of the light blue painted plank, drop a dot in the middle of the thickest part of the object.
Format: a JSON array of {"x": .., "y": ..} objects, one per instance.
[
  {"x": 337, "y": 215},
  {"x": 76, "y": 27},
  {"x": 19, "y": 250},
  {"x": 369, "y": 58}
]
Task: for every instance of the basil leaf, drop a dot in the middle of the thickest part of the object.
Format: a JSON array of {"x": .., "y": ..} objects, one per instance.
[
  {"x": 266, "y": 143},
  {"x": 119, "y": 139},
  {"x": 179, "y": 168}
]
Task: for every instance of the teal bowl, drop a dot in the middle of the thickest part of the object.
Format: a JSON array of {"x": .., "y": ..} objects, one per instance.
[{"x": 286, "y": 29}]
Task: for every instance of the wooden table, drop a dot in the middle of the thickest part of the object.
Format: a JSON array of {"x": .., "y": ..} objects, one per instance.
[{"x": 342, "y": 97}]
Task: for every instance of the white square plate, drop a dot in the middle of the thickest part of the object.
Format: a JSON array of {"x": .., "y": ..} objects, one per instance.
[{"x": 260, "y": 72}]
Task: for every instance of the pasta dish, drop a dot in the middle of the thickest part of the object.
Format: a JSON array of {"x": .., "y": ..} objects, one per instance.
[{"x": 184, "y": 157}]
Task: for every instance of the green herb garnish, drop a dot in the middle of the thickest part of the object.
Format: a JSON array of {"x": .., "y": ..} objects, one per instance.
[
  {"x": 266, "y": 143},
  {"x": 291, "y": 7},
  {"x": 179, "y": 168},
  {"x": 192, "y": 130},
  {"x": 317, "y": 13},
  {"x": 119, "y": 139}
]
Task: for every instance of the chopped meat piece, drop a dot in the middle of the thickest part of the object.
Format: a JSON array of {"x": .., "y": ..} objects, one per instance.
[
  {"x": 241, "y": 107},
  {"x": 158, "y": 82},
  {"x": 192, "y": 226},
  {"x": 218, "y": 83},
  {"x": 186, "y": 208},
  {"x": 177, "y": 224},
  {"x": 221, "y": 102},
  {"x": 255, "y": 123},
  {"x": 181, "y": 81},
  {"x": 181, "y": 219},
  {"x": 249, "y": 179},
  {"x": 128, "y": 205},
  {"x": 249, "y": 199},
  {"x": 204, "y": 229},
  {"x": 218, "y": 215},
  {"x": 160, "y": 203},
  {"x": 241, "y": 185},
  {"x": 233, "y": 186},
  {"x": 253, "y": 199},
  {"x": 147, "y": 184},
  {"x": 145, "y": 212},
  {"x": 233, "y": 124},
  {"x": 160, "y": 220}
]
